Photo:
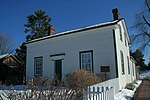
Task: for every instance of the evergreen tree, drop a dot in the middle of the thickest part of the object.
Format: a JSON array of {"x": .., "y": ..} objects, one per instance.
[
  {"x": 138, "y": 56},
  {"x": 37, "y": 26},
  {"x": 21, "y": 54},
  {"x": 149, "y": 65}
]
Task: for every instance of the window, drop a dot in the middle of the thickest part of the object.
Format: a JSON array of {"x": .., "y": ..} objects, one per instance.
[
  {"x": 125, "y": 39},
  {"x": 128, "y": 65},
  {"x": 133, "y": 67},
  {"x": 86, "y": 60},
  {"x": 120, "y": 32},
  {"x": 38, "y": 66},
  {"x": 122, "y": 62}
]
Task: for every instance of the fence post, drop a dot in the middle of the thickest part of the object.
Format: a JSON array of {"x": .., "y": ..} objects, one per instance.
[
  {"x": 106, "y": 93},
  {"x": 89, "y": 92},
  {"x": 112, "y": 94},
  {"x": 103, "y": 93},
  {"x": 98, "y": 92},
  {"x": 93, "y": 92}
]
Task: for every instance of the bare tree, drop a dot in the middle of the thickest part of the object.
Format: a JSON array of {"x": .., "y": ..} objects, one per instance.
[
  {"x": 142, "y": 25},
  {"x": 5, "y": 44}
]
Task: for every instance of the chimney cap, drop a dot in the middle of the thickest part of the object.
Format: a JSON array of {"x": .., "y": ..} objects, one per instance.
[
  {"x": 116, "y": 14},
  {"x": 115, "y": 10},
  {"x": 51, "y": 30}
]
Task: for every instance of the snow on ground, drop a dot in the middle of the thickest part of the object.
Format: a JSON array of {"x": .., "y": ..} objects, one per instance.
[
  {"x": 126, "y": 94},
  {"x": 16, "y": 87},
  {"x": 23, "y": 92},
  {"x": 145, "y": 75},
  {"x": 6, "y": 90}
]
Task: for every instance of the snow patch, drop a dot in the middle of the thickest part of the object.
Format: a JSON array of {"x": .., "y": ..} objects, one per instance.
[
  {"x": 126, "y": 94},
  {"x": 2, "y": 56},
  {"x": 145, "y": 75}
]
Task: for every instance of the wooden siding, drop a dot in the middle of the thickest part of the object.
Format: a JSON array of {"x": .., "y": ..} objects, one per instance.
[{"x": 11, "y": 72}]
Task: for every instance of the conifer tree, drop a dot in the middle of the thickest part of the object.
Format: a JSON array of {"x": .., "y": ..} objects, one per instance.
[
  {"x": 139, "y": 57},
  {"x": 37, "y": 26}
]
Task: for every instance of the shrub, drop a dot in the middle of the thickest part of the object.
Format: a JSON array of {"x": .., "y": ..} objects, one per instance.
[
  {"x": 130, "y": 86},
  {"x": 39, "y": 88},
  {"x": 79, "y": 80}
]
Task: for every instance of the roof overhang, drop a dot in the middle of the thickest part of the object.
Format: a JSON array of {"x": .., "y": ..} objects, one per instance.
[
  {"x": 126, "y": 31},
  {"x": 76, "y": 30}
]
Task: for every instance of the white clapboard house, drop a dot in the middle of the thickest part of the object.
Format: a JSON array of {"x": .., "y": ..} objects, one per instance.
[{"x": 96, "y": 48}]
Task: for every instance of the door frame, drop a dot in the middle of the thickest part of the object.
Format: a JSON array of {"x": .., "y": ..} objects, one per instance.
[{"x": 55, "y": 71}]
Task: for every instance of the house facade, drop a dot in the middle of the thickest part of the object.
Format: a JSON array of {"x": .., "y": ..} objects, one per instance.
[{"x": 89, "y": 48}]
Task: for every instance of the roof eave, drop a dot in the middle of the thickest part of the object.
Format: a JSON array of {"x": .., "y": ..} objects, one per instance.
[{"x": 74, "y": 31}]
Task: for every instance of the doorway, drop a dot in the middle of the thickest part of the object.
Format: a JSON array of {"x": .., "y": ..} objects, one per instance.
[{"x": 58, "y": 69}]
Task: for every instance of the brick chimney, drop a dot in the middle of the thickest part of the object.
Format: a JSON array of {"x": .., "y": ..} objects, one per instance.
[
  {"x": 116, "y": 14},
  {"x": 51, "y": 30}
]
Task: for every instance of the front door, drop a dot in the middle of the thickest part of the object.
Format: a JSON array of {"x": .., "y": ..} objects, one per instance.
[{"x": 58, "y": 69}]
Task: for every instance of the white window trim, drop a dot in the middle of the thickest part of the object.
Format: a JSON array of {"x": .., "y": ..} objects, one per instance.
[
  {"x": 128, "y": 65},
  {"x": 87, "y": 63},
  {"x": 122, "y": 62},
  {"x": 35, "y": 66},
  {"x": 120, "y": 33}
]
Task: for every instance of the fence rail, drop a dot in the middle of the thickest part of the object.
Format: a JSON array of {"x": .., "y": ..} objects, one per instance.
[{"x": 103, "y": 91}]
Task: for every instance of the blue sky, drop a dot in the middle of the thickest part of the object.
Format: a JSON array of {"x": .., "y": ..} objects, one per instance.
[{"x": 65, "y": 14}]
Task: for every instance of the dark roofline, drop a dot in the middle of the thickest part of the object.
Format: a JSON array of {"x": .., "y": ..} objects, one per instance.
[
  {"x": 74, "y": 31},
  {"x": 1, "y": 60},
  {"x": 17, "y": 60},
  {"x": 127, "y": 32},
  {"x": 6, "y": 55}
]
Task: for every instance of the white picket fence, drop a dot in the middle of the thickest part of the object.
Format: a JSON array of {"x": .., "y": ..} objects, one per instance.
[{"x": 103, "y": 91}]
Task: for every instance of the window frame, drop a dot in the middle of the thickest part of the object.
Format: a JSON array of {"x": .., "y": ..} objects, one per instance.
[
  {"x": 35, "y": 66},
  {"x": 133, "y": 67},
  {"x": 120, "y": 32},
  {"x": 128, "y": 65},
  {"x": 122, "y": 63},
  {"x": 91, "y": 62},
  {"x": 125, "y": 39}
]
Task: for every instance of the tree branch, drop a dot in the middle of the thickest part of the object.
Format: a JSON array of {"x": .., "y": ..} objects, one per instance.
[
  {"x": 146, "y": 33},
  {"x": 146, "y": 2},
  {"x": 146, "y": 20}
]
